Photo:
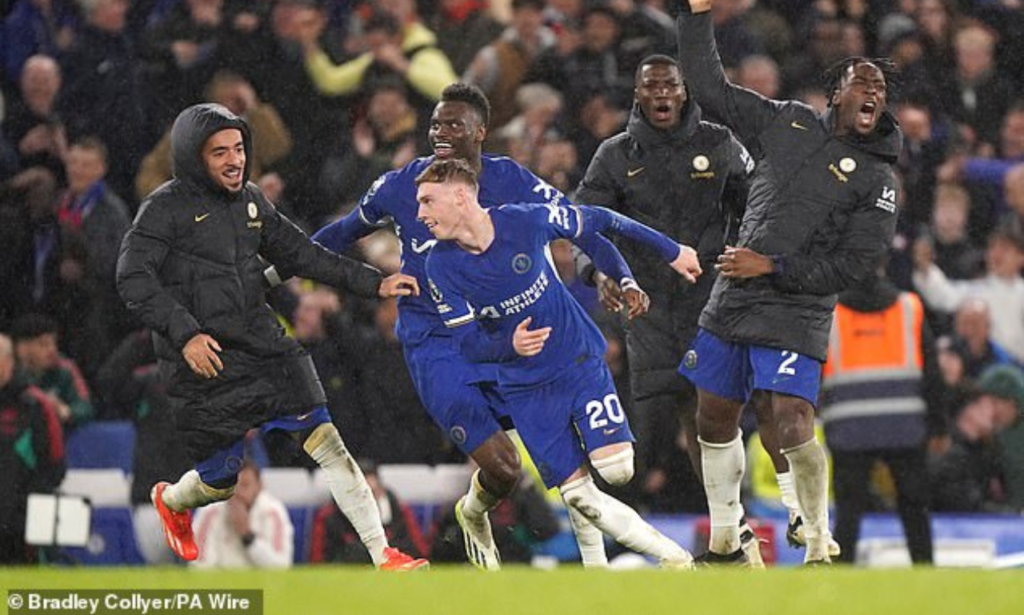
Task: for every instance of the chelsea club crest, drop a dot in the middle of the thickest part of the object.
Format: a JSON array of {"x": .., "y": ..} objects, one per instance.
[
  {"x": 521, "y": 263},
  {"x": 690, "y": 359}
]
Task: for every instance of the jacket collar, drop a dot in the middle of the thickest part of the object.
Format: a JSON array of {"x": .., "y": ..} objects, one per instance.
[{"x": 885, "y": 141}]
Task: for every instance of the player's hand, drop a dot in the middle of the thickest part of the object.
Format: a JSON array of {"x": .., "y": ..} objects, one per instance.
[
  {"x": 608, "y": 292},
  {"x": 686, "y": 264},
  {"x": 743, "y": 263},
  {"x": 398, "y": 284},
  {"x": 529, "y": 343},
  {"x": 637, "y": 301},
  {"x": 201, "y": 355}
]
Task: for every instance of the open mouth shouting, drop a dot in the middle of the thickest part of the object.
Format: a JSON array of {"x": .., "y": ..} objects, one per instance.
[{"x": 867, "y": 115}]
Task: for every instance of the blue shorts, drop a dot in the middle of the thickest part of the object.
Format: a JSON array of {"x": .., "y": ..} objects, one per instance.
[
  {"x": 559, "y": 422},
  {"x": 733, "y": 371},
  {"x": 459, "y": 395},
  {"x": 221, "y": 469}
]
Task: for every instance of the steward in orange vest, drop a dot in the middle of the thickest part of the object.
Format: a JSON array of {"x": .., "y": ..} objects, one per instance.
[{"x": 881, "y": 398}]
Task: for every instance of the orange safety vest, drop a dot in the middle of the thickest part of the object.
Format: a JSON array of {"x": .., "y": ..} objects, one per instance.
[{"x": 871, "y": 381}]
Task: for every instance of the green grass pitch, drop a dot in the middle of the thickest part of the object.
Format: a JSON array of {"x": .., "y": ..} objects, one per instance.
[{"x": 327, "y": 590}]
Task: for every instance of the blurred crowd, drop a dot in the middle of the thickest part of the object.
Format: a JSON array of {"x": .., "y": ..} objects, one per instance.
[{"x": 338, "y": 92}]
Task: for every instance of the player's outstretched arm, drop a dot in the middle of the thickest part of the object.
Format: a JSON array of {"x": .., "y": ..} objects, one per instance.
[{"x": 600, "y": 220}]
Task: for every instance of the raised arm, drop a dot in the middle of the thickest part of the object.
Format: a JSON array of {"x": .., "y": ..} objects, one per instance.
[{"x": 742, "y": 110}]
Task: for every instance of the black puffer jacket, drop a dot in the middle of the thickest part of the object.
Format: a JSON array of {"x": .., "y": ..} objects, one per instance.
[
  {"x": 687, "y": 182},
  {"x": 823, "y": 206},
  {"x": 191, "y": 263}
]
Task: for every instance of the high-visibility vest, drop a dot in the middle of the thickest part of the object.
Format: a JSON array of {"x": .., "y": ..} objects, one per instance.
[{"x": 872, "y": 380}]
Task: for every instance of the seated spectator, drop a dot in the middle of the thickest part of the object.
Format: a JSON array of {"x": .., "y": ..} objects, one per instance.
[
  {"x": 760, "y": 74},
  {"x": 1013, "y": 189},
  {"x": 969, "y": 475},
  {"x": 58, "y": 377},
  {"x": 271, "y": 139},
  {"x": 334, "y": 541},
  {"x": 980, "y": 95},
  {"x": 31, "y": 453},
  {"x": 519, "y": 522},
  {"x": 1006, "y": 384},
  {"x": 252, "y": 529},
  {"x": 972, "y": 339},
  {"x": 1002, "y": 287}
]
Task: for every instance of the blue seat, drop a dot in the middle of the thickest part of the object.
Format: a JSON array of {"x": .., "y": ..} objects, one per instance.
[
  {"x": 101, "y": 444},
  {"x": 111, "y": 542}
]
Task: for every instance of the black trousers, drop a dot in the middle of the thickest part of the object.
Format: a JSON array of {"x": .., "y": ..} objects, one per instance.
[{"x": 852, "y": 476}]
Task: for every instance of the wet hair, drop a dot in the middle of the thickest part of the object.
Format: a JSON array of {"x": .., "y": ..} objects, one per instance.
[
  {"x": 833, "y": 75},
  {"x": 657, "y": 59},
  {"x": 444, "y": 171},
  {"x": 472, "y": 96}
]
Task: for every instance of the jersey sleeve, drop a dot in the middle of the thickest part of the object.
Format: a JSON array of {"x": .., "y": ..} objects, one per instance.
[
  {"x": 453, "y": 309},
  {"x": 531, "y": 189},
  {"x": 372, "y": 209}
]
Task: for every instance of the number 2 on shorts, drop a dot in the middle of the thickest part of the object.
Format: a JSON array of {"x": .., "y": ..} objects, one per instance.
[{"x": 790, "y": 357}]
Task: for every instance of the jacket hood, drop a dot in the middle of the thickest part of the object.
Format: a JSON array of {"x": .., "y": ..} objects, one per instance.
[
  {"x": 885, "y": 141},
  {"x": 642, "y": 130},
  {"x": 875, "y": 294},
  {"x": 191, "y": 129}
]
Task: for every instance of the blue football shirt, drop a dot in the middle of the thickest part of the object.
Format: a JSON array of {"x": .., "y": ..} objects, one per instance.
[{"x": 511, "y": 280}]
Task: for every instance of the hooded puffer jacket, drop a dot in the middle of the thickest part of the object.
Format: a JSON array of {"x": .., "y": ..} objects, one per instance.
[{"x": 191, "y": 263}]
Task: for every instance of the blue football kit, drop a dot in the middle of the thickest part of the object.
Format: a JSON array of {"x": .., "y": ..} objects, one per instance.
[
  {"x": 563, "y": 400},
  {"x": 734, "y": 371},
  {"x": 454, "y": 391}
]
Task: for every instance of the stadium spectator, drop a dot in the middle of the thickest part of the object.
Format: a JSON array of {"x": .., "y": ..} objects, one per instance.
[
  {"x": 760, "y": 74},
  {"x": 101, "y": 95},
  {"x": 75, "y": 273},
  {"x": 980, "y": 96},
  {"x": 386, "y": 138},
  {"x": 463, "y": 28},
  {"x": 1002, "y": 287},
  {"x": 1007, "y": 384},
  {"x": 35, "y": 27},
  {"x": 954, "y": 252},
  {"x": 272, "y": 141},
  {"x": 972, "y": 339},
  {"x": 334, "y": 541},
  {"x": 500, "y": 68},
  {"x": 31, "y": 453},
  {"x": 32, "y": 123},
  {"x": 252, "y": 529},
  {"x": 42, "y": 365}
]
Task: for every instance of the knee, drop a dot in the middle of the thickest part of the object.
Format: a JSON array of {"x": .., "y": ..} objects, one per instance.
[
  {"x": 583, "y": 497},
  {"x": 500, "y": 466},
  {"x": 616, "y": 469}
]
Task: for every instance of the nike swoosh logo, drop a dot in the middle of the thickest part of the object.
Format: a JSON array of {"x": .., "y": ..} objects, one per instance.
[
  {"x": 798, "y": 126},
  {"x": 634, "y": 172},
  {"x": 609, "y": 432},
  {"x": 420, "y": 248},
  {"x": 202, "y": 217}
]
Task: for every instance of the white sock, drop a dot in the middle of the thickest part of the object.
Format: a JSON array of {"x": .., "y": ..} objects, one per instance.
[
  {"x": 191, "y": 492},
  {"x": 723, "y": 466},
  {"x": 348, "y": 486},
  {"x": 620, "y": 521},
  {"x": 788, "y": 489},
  {"x": 478, "y": 500},
  {"x": 589, "y": 539},
  {"x": 809, "y": 467}
]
